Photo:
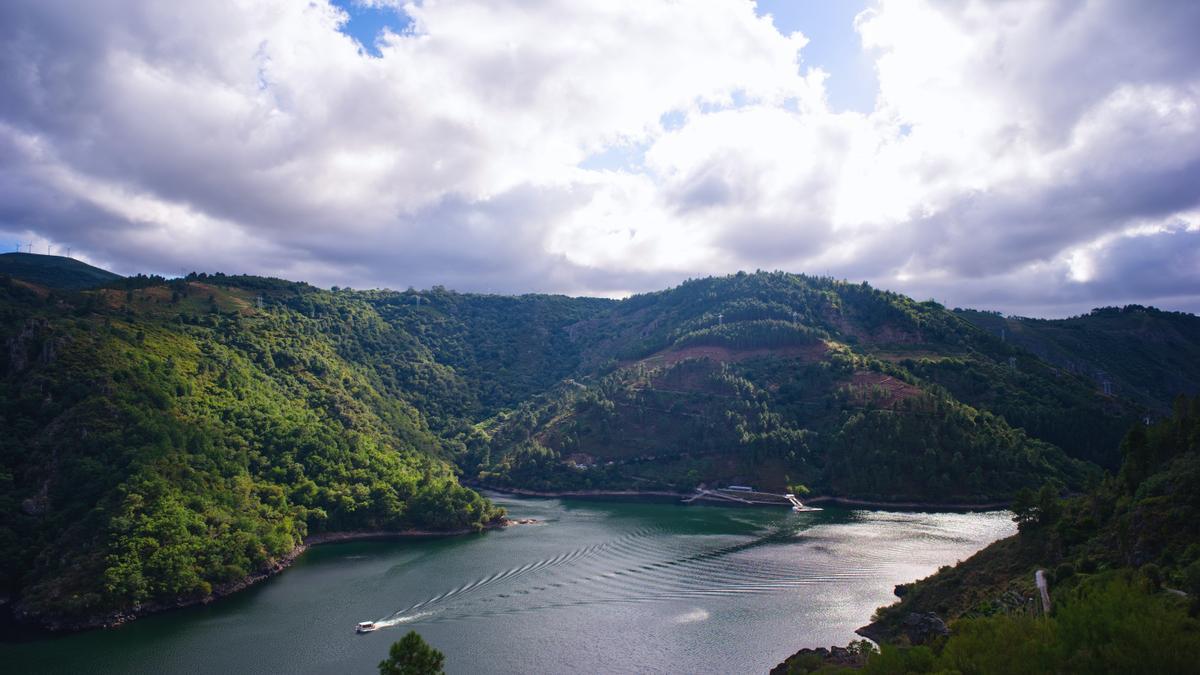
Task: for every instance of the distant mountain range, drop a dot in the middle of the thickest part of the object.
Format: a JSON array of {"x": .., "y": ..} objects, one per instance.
[{"x": 166, "y": 439}]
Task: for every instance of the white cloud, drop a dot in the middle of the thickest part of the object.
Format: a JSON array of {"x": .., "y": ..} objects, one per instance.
[{"x": 1013, "y": 147}]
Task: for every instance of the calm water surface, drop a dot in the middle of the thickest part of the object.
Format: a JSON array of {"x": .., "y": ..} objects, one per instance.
[{"x": 597, "y": 587}]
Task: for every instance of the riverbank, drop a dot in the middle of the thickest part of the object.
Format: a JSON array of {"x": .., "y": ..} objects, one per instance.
[
  {"x": 31, "y": 624},
  {"x": 906, "y": 505},
  {"x": 643, "y": 587},
  {"x": 648, "y": 496},
  {"x": 667, "y": 495},
  {"x": 623, "y": 495}
]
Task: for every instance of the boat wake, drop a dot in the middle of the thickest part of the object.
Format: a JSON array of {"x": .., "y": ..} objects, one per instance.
[
  {"x": 642, "y": 566},
  {"x": 400, "y": 620}
]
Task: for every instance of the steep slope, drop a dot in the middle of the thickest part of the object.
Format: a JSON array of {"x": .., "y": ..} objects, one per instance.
[
  {"x": 170, "y": 439},
  {"x": 1144, "y": 354},
  {"x": 54, "y": 271},
  {"x": 502, "y": 350},
  {"x": 1121, "y": 565},
  {"x": 1146, "y": 518}
]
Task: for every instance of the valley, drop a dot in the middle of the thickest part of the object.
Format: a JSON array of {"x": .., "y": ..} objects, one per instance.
[{"x": 172, "y": 439}]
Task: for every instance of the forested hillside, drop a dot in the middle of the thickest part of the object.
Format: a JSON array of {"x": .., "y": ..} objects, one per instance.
[
  {"x": 53, "y": 271},
  {"x": 167, "y": 438},
  {"x": 1144, "y": 354},
  {"x": 1122, "y": 564},
  {"x": 163, "y": 439},
  {"x": 497, "y": 350},
  {"x": 774, "y": 379}
]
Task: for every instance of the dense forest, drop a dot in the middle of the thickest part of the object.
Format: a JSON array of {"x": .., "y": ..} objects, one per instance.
[
  {"x": 167, "y": 438},
  {"x": 1144, "y": 354},
  {"x": 774, "y": 379},
  {"x": 1123, "y": 568},
  {"x": 163, "y": 439}
]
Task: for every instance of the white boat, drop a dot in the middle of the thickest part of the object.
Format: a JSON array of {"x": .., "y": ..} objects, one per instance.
[
  {"x": 366, "y": 627},
  {"x": 797, "y": 505}
]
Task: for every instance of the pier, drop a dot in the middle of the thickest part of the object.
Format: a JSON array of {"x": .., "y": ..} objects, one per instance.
[{"x": 741, "y": 495}]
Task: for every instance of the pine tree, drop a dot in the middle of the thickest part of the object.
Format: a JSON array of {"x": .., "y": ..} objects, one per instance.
[{"x": 412, "y": 656}]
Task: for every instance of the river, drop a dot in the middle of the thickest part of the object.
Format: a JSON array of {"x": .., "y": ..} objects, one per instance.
[{"x": 596, "y": 587}]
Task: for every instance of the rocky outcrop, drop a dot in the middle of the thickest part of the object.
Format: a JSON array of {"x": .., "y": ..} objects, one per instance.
[
  {"x": 33, "y": 344},
  {"x": 21, "y": 345},
  {"x": 38, "y": 504},
  {"x": 810, "y": 660},
  {"x": 922, "y": 628}
]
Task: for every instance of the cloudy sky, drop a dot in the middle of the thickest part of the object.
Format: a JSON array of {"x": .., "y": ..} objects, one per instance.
[{"x": 1034, "y": 157}]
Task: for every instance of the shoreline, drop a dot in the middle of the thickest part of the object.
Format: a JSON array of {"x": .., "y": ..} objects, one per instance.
[
  {"x": 35, "y": 627},
  {"x": 633, "y": 495},
  {"x": 907, "y": 505},
  {"x": 661, "y": 495}
]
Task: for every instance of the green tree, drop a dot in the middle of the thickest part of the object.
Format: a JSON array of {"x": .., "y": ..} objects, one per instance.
[
  {"x": 412, "y": 656},
  {"x": 1003, "y": 644},
  {"x": 1024, "y": 508},
  {"x": 1038, "y": 509},
  {"x": 1137, "y": 457},
  {"x": 1048, "y": 505}
]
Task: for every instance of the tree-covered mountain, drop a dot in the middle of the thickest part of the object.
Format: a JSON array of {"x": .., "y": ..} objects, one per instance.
[
  {"x": 1144, "y": 354},
  {"x": 167, "y": 438},
  {"x": 773, "y": 379},
  {"x": 1122, "y": 564}
]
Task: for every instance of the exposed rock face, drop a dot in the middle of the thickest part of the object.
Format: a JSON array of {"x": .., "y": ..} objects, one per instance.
[
  {"x": 50, "y": 350},
  {"x": 33, "y": 342},
  {"x": 19, "y": 345},
  {"x": 39, "y": 503},
  {"x": 921, "y": 628}
]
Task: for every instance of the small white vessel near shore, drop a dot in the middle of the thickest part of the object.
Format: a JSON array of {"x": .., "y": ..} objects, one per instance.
[
  {"x": 797, "y": 506},
  {"x": 366, "y": 627}
]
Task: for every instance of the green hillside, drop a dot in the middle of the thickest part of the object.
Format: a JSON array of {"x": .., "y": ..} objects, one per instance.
[
  {"x": 53, "y": 271},
  {"x": 165, "y": 439},
  {"x": 1122, "y": 564},
  {"x": 775, "y": 379},
  {"x": 1146, "y": 355},
  {"x": 501, "y": 350}
]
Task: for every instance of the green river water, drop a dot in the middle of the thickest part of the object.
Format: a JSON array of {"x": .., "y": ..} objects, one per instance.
[{"x": 594, "y": 587}]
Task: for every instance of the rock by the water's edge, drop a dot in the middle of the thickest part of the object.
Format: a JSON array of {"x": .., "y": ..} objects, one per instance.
[
  {"x": 814, "y": 659},
  {"x": 922, "y": 628}
]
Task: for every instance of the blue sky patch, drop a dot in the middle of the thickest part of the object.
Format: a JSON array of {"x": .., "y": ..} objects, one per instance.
[
  {"x": 625, "y": 157},
  {"x": 367, "y": 23},
  {"x": 833, "y": 45}
]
